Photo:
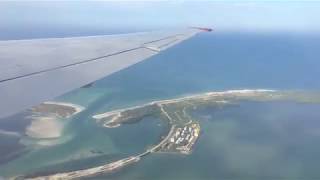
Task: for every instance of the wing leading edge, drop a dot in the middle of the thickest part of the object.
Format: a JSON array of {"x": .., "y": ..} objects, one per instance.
[{"x": 33, "y": 71}]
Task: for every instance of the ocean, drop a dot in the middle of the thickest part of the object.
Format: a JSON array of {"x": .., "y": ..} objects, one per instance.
[{"x": 254, "y": 140}]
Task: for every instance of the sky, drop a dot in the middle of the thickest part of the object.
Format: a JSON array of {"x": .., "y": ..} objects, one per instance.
[{"x": 100, "y": 16}]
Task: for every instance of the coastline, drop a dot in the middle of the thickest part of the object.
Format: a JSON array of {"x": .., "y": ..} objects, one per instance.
[
  {"x": 184, "y": 131},
  {"x": 244, "y": 92},
  {"x": 77, "y": 107},
  {"x": 49, "y": 125}
]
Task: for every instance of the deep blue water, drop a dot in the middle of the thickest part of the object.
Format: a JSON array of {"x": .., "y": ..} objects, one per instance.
[
  {"x": 207, "y": 62},
  {"x": 220, "y": 61}
]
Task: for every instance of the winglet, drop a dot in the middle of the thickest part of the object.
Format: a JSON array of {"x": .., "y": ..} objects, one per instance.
[{"x": 203, "y": 29}]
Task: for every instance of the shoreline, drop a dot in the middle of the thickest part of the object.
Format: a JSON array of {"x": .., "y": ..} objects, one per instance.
[
  {"x": 48, "y": 125},
  {"x": 77, "y": 107},
  {"x": 116, "y": 113},
  {"x": 184, "y": 131}
]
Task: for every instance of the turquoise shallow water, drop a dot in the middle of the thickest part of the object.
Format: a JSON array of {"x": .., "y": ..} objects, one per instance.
[
  {"x": 84, "y": 136},
  {"x": 249, "y": 141}
]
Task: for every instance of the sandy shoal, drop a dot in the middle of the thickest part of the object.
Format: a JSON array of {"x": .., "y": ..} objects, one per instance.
[{"x": 45, "y": 127}]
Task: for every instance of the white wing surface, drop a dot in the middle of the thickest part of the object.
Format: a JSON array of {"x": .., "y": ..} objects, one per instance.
[{"x": 33, "y": 71}]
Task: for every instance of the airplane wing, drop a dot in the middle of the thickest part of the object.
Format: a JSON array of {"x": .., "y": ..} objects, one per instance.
[{"x": 33, "y": 71}]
